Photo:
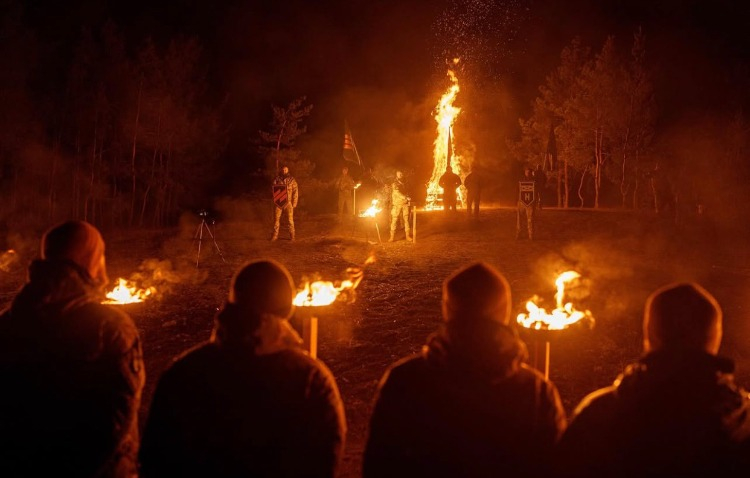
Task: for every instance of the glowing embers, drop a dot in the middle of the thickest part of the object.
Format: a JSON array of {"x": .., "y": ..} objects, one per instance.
[
  {"x": 320, "y": 293},
  {"x": 126, "y": 292},
  {"x": 563, "y": 316},
  {"x": 371, "y": 211}
]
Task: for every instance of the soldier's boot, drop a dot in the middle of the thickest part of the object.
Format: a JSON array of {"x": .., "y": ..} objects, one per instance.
[
  {"x": 274, "y": 237},
  {"x": 291, "y": 236},
  {"x": 392, "y": 237},
  {"x": 408, "y": 236}
]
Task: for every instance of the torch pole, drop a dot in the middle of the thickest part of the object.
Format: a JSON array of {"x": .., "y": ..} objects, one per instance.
[
  {"x": 354, "y": 202},
  {"x": 414, "y": 226},
  {"x": 314, "y": 337},
  {"x": 377, "y": 228},
  {"x": 546, "y": 360}
]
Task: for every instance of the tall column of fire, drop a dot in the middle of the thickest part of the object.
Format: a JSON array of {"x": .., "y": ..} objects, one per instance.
[{"x": 445, "y": 115}]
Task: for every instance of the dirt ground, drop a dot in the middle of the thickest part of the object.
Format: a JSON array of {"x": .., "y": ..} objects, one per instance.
[{"x": 622, "y": 256}]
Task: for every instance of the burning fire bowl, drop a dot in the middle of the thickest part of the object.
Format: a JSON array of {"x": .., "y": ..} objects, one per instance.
[{"x": 552, "y": 335}]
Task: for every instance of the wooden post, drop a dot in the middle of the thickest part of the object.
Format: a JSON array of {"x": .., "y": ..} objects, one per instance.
[
  {"x": 414, "y": 226},
  {"x": 310, "y": 334},
  {"x": 314, "y": 337},
  {"x": 546, "y": 360}
]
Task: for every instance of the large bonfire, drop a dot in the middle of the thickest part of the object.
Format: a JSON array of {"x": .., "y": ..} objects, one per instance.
[{"x": 445, "y": 115}]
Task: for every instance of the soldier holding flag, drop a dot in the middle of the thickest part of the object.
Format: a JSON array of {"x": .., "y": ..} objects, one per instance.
[{"x": 285, "y": 196}]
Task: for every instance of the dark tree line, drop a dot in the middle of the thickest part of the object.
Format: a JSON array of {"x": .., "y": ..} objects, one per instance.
[
  {"x": 598, "y": 129},
  {"x": 123, "y": 135}
]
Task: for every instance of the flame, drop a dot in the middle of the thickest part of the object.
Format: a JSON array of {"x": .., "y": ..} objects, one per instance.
[
  {"x": 6, "y": 259},
  {"x": 445, "y": 115},
  {"x": 563, "y": 316},
  {"x": 371, "y": 211},
  {"x": 320, "y": 293},
  {"x": 126, "y": 292}
]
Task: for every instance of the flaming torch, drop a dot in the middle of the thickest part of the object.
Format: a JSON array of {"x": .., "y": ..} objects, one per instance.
[
  {"x": 126, "y": 292},
  {"x": 445, "y": 115},
  {"x": 320, "y": 293},
  {"x": 372, "y": 212},
  {"x": 543, "y": 324}
]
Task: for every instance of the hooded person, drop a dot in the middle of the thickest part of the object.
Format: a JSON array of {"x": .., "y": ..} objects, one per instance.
[
  {"x": 675, "y": 412},
  {"x": 250, "y": 401},
  {"x": 467, "y": 405},
  {"x": 71, "y": 367}
]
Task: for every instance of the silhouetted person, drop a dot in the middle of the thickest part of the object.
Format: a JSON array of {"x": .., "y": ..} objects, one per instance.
[
  {"x": 473, "y": 183},
  {"x": 71, "y": 368},
  {"x": 449, "y": 181},
  {"x": 540, "y": 182},
  {"x": 675, "y": 412},
  {"x": 250, "y": 402},
  {"x": 467, "y": 405}
]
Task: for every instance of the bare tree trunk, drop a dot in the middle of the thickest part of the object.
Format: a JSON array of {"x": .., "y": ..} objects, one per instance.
[
  {"x": 580, "y": 187},
  {"x": 153, "y": 170},
  {"x": 567, "y": 183},
  {"x": 132, "y": 158}
]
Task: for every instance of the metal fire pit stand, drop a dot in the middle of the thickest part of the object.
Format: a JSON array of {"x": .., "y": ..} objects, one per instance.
[
  {"x": 309, "y": 317},
  {"x": 366, "y": 228}
]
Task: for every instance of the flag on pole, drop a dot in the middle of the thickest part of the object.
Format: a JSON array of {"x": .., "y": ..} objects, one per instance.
[{"x": 350, "y": 149}]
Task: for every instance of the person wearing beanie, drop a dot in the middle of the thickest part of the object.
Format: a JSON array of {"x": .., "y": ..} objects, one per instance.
[
  {"x": 675, "y": 412},
  {"x": 71, "y": 367},
  {"x": 467, "y": 405},
  {"x": 250, "y": 401}
]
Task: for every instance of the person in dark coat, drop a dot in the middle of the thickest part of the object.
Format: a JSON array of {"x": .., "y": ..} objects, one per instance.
[
  {"x": 467, "y": 405},
  {"x": 71, "y": 368},
  {"x": 250, "y": 402},
  {"x": 675, "y": 412},
  {"x": 450, "y": 182}
]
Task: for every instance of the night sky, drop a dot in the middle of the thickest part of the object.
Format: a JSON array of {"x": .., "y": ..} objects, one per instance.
[{"x": 381, "y": 65}]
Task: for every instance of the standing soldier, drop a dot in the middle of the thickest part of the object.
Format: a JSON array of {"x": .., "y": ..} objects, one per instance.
[
  {"x": 473, "y": 189},
  {"x": 449, "y": 181},
  {"x": 345, "y": 187},
  {"x": 285, "y": 195},
  {"x": 527, "y": 201},
  {"x": 399, "y": 206}
]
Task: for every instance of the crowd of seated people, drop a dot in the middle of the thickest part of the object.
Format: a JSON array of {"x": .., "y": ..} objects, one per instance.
[{"x": 251, "y": 402}]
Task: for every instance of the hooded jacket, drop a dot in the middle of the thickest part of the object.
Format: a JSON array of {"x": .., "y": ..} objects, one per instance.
[
  {"x": 245, "y": 406},
  {"x": 670, "y": 414},
  {"x": 464, "y": 408},
  {"x": 72, "y": 373}
]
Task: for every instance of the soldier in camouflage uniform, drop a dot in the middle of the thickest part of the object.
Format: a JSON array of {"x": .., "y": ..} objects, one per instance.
[
  {"x": 287, "y": 205},
  {"x": 345, "y": 187},
  {"x": 399, "y": 206},
  {"x": 527, "y": 202}
]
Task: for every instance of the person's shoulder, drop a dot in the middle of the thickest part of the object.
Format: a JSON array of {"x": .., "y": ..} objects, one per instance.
[
  {"x": 406, "y": 367},
  {"x": 597, "y": 402}
]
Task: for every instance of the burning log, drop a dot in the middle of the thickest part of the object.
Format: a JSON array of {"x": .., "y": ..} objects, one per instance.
[
  {"x": 542, "y": 326},
  {"x": 126, "y": 292}
]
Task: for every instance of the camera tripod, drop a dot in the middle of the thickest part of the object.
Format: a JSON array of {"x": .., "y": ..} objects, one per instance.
[{"x": 199, "y": 237}]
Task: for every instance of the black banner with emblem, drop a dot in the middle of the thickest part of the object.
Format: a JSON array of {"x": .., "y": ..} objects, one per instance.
[
  {"x": 526, "y": 192},
  {"x": 280, "y": 195}
]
